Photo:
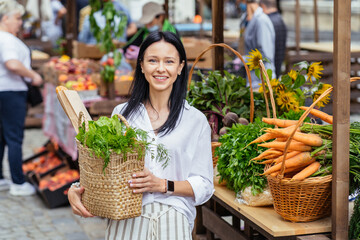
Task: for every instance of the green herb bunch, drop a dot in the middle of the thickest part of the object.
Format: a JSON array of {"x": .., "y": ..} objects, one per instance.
[
  {"x": 234, "y": 165},
  {"x": 107, "y": 135},
  {"x": 217, "y": 95}
]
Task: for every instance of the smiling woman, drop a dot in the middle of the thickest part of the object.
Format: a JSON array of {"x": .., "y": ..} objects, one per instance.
[
  {"x": 157, "y": 105},
  {"x": 161, "y": 66}
]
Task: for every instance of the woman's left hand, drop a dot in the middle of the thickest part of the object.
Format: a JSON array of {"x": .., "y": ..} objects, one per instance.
[{"x": 145, "y": 181}]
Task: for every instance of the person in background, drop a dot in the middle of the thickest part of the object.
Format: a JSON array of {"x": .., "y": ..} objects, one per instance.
[
  {"x": 158, "y": 105},
  {"x": 52, "y": 29},
  {"x": 14, "y": 67},
  {"x": 153, "y": 19},
  {"x": 269, "y": 7},
  {"x": 259, "y": 34},
  {"x": 85, "y": 34}
]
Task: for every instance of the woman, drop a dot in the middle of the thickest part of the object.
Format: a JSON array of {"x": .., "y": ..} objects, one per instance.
[
  {"x": 157, "y": 105},
  {"x": 14, "y": 68}
]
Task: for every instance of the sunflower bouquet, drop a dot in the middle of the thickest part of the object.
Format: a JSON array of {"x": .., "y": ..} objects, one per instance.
[{"x": 292, "y": 89}]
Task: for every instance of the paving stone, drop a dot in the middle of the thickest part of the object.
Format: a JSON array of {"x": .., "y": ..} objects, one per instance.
[{"x": 77, "y": 236}]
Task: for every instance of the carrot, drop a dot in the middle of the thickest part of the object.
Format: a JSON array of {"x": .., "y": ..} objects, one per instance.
[
  {"x": 287, "y": 170},
  {"x": 263, "y": 138},
  {"x": 288, "y": 155},
  {"x": 281, "y": 139},
  {"x": 269, "y": 151},
  {"x": 300, "y": 160},
  {"x": 294, "y": 145},
  {"x": 267, "y": 161},
  {"x": 320, "y": 114},
  {"x": 306, "y": 138},
  {"x": 306, "y": 172},
  {"x": 279, "y": 122}
]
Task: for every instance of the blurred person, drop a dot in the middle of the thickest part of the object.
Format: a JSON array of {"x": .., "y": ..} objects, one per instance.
[
  {"x": 14, "y": 70},
  {"x": 85, "y": 34},
  {"x": 270, "y": 8},
  {"x": 259, "y": 34},
  {"x": 158, "y": 106},
  {"x": 153, "y": 19},
  {"x": 52, "y": 29}
]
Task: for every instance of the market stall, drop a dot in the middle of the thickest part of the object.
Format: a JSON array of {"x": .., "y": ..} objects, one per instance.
[{"x": 341, "y": 110}]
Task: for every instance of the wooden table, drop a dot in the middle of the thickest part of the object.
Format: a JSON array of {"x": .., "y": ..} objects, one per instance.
[{"x": 252, "y": 222}]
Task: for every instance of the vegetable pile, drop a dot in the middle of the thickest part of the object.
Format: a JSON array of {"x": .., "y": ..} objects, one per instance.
[
  {"x": 310, "y": 152},
  {"x": 217, "y": 95},
  {"x": 233, "y": 163},
  {"x": 107, "y": 135}
]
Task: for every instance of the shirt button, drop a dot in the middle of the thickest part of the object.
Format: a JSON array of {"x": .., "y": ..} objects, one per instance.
[{"x": 153, "y": 139}]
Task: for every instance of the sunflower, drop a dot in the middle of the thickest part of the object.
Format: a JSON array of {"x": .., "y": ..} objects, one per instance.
[
  {"x": 324, "y": 100},
  {"x": 254, "y": 59},
  {"x": 273, "y": 83},
  {"x": 287, "y": 100},
  {"x": 314, "y": 70},
  {"x": 293, "y": 75}
]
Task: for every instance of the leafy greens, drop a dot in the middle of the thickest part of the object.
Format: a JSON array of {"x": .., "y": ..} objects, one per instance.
[{"x": 107, "y": 135}]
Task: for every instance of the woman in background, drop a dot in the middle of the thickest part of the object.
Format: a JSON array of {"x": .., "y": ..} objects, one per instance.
[{"x": 14, "y": 70}]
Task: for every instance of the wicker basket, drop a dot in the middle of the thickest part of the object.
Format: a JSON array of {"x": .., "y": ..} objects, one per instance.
[
  {"x": 214, "y": 145},
  {"x": 301, "y": 200},
  {"x": 108, "y": 195}
]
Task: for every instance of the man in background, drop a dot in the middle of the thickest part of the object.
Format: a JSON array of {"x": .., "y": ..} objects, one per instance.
[{"x": 270, "y": 8}]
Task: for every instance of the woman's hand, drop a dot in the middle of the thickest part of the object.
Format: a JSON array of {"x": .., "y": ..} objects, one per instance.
[
  {"x": 36, "y": 79},
  {"x": 74, "y": 196},
  {"x": 145, "y": 181}
]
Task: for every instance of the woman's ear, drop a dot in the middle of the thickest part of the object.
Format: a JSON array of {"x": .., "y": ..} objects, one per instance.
[{"x": 181, "y": 67}]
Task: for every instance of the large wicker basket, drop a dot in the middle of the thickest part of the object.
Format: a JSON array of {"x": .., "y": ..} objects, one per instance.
[
  {"x": 301, "y": 200},
  {"x": 108, "y": 194}
]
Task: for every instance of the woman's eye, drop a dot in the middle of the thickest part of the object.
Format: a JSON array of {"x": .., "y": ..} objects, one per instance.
[{"x": 169, "y": 61}]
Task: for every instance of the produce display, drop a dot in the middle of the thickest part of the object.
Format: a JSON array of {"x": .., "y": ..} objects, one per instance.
[
  {"x": 233, "y": 163},
  {"x": 42, "y": 164},
  {"x": 107, "y": 135},
  {"x": 59, "y": 180},
  {"x": 73, "y": 73},
  {"x": 216, "y": 95}
]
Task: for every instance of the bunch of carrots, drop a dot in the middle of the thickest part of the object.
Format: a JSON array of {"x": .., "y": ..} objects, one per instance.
[{"x": 300, "y": 157}]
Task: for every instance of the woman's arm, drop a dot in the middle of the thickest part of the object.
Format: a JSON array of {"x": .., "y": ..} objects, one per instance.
[
  {"x": 145, "y": 181},
  {"x": 18, "y": 68}
]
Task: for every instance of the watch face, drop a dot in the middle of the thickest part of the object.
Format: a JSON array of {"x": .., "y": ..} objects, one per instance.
[{"x": 170, "y": 186}]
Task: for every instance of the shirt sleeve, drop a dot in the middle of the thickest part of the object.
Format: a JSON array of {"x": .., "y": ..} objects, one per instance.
[
  {"x": 201, "y": 175},
  {"x": 9, "y": 53}
]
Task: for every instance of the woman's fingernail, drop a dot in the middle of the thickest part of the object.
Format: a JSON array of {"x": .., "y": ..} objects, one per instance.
[
  {"x": 134, "y": 175},
  {"x": 134, "y": 191},
  {"x": 131, "y": 184},
  {"x": 130, "y": 181}
]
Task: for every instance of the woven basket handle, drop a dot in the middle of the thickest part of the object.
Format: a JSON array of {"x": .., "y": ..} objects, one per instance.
[
  {"x": 122, "y": 118},
  {"x": 301, "y": 120},
  {"x": 82, "y": 119},
  {"x": 246, "y": 68}
]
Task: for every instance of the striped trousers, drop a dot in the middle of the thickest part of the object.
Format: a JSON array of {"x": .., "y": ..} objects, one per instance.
[{"x": 157, "y": 222}]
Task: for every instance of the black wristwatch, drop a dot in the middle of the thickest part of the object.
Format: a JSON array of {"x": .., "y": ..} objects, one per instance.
[{"x": 169, "y": 187}]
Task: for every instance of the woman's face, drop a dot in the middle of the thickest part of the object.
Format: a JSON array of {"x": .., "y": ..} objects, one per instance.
[
  {"x": 161, "y": 66},
  {"x": 12, "y": 22}
]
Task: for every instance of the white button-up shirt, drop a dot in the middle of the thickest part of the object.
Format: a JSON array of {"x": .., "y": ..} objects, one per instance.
[{"x": 189, "y": 146}]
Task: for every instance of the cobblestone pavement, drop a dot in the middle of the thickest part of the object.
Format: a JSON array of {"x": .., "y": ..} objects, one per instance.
[{"x": 27, "y": 218}]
